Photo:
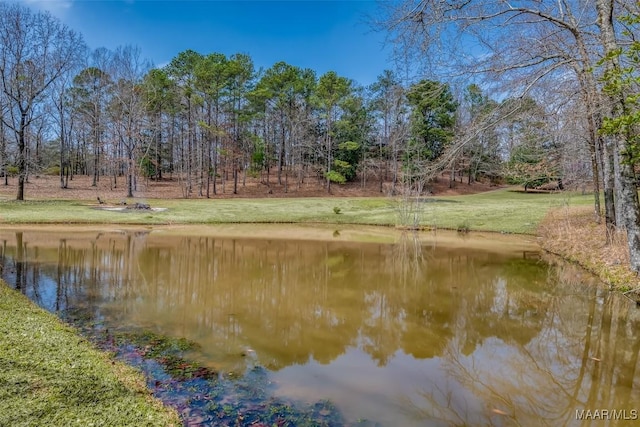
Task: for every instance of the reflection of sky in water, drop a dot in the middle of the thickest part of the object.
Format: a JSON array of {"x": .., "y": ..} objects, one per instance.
[
  {"x": 45, "y": 293},
  {"x": 398, "y": 333},
  {"x": 393, "y": 396}
]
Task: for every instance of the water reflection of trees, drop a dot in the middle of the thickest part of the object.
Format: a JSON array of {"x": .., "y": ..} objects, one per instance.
[
  {"x": 512, "y": 334},
  {"x": 584, "y": 356},
  {"x": 291, "y": 301}
]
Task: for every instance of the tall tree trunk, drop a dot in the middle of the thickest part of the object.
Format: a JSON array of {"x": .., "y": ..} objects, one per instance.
[
  {"x": 328, "y": 144},
  {"x": 130, "y": 172},
  {"x": 596, "y": 183},
  {"x": 3, "y": 154},
  {"x": 189, "y": 147},
  {"x": 601, "y": 154},
  {"x": 281, "y": 150},
  {"x": 159, "y": 146},
  {"x": 22, "y": 154},
  {"x": 619, "y": 217},
  {"x": 95, "y": 167},
  {"x": 629, "y": 204},
  {"x": 62, "y": 147},
  {"x": 452, "y": 175},
  {"x": 594, "y": 167},
  {"x": 96, "y": 149},
  {"x": 601, "y": 161},
  {"x": 172, "y": 145},
  {"x": 235, "y": 175},
  {"x": 609, "y": 182}
]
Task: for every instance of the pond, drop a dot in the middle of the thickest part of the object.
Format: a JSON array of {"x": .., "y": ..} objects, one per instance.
[{"x": 348, "y": 326}]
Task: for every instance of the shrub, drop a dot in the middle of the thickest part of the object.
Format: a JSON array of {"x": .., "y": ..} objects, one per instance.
[
  {"x": 464, "y": 227},
  {"x": 335, "y": 176},
  {"x": 52, "y": 170}
]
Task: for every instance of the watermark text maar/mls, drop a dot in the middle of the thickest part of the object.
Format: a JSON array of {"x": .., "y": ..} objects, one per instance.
[{"x": 606, "y": 414}]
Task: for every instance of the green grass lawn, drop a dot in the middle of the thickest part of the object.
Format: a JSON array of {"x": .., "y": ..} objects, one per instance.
[
  {"x": 49, "y": 376},
  {"x": 502, "y": 211}
]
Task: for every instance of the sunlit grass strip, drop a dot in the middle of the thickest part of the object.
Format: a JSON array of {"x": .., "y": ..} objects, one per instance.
[
  {"x": 499, "y": 211},
  {"x": 49, "y": 376}
]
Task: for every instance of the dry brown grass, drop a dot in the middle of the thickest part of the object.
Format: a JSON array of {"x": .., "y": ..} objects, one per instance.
[{"x": 572, "y": 233}]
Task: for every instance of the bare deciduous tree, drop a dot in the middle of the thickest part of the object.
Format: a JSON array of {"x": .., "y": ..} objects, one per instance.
[
  {"x": 35, "y": 51},
  {"x": 513, "y": 47}
]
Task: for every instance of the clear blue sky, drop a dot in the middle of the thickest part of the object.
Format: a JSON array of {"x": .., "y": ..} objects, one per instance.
[{"x": 322, "y": 35}]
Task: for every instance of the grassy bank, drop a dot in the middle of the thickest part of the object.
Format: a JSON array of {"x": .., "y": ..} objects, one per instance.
[
  {"x": 501, "y": 211},
  {"x": 50, "y": 376},
  {"x": 571, "y": 233}
]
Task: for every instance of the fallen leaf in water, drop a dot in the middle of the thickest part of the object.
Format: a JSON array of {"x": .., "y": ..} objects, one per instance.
[{"x": 498, "y": 411}]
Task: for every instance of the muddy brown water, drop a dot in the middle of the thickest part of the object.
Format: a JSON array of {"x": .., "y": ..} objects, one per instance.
[{"x": 431, "y": 329}]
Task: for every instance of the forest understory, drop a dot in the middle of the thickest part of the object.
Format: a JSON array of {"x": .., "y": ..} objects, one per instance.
[{"x": 172, "y": 187}]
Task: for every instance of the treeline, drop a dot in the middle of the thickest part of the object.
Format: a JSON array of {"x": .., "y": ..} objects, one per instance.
[{"x": 211, "y": 120}]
